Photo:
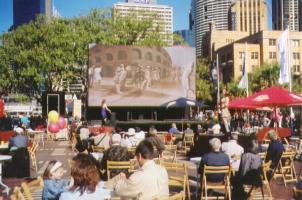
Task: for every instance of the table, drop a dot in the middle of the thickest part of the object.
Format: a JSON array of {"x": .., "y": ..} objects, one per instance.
[
  {"x": 196, "y": 161},
  {"x": 4, "y": 158},
  {"x": 4, "y": 145}
]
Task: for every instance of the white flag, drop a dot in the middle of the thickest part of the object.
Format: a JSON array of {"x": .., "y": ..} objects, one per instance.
[
  {"x": 284, "y": 74},
  {"x": 244, "y": 80}
]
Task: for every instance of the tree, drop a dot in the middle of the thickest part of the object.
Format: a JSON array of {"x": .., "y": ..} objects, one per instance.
[
  {"x": 41, "y": 54},
  {"x": 204, "y": 86}
]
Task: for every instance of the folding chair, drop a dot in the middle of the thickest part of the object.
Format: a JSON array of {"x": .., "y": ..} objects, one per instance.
[
  {"x": 118, "y": 165},
  {"x": 224, "y": 185},
  {"x": 97, "y": 149},
  {"x": 17, "y": 194},
  {"x": 33, "y": 189},
  {"x": 297, "y": 193},
  {"x": 32, "y": 153},
  {"x": 188, "y": 142},
  {"x": 169, "y": 153},
  {"x": 182, "y": 180},
  {"x": 286, "y": 169},
  {"x": 265, "y": 183}
]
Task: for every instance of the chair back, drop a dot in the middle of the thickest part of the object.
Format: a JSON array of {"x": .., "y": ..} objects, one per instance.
[
  {"x": 117, "y": 165},
  {"x": 97, "y": 149},
  {"x": 17, "y": 194},
  {"x": 169, "y": 153},
  {"x": 33, "y": 188}
]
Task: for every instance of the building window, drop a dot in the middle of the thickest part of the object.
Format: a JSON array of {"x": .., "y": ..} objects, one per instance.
[
  {"x": 272, "y": 42},
  {"x": 254, "y": 55},
  {"x": 272, "y": 55},
  {"x": 109, "y": 56},
  {"x": 241, "y": 55},
  {"x": 296, "y": 56},
  {"x": 295, "y": 43},
  {"x": 296, "y": 68}
]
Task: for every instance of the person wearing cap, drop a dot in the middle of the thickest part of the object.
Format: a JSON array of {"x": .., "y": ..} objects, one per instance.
[
  {"x": 19, "y": 140},
  {"x": 129, "y": 140},
  {"x": 274, "y": 151},
  {"x": 233, "y": 150},
  {"x": 115, "y": 153}
]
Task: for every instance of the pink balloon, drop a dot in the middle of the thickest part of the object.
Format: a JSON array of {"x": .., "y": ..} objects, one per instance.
[
  {"x": 62, "y": 122},
  {"x": 53, "y": 127}
]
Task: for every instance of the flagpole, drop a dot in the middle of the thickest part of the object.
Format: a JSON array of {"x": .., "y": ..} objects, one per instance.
[
  {"x": 218, "y": 80},
  {"x": 247, "y": 77}
]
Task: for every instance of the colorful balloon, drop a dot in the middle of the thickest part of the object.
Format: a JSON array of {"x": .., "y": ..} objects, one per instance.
[
  {"x": 62, "y": 122},
  {"x": 53, "y": 116},
  {"x": 53, "y": 127}
]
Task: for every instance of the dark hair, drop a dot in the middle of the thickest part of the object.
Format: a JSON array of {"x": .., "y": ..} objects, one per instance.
[
  {"x": 47, "y": 174},
  {"x": 252, "y": 147},
  {"x": 85, "y": 173},
  {"x": 145, "y": 148}
]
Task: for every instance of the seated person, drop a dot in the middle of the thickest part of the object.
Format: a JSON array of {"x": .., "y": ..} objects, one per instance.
[
  {"x": 19, "y": 140},
  {"x": 214, "y": 158},
  {"x": 102, "y": 140},
  {"x": 215, "y": 129},
  {"x": 128, "y": 139},
  {"x": 233, "y": 150},
  {"x": 149, "y": 182},
  {"x": 115, "y": 153},
  {"x": 156, "y": 142},
  {"x": 173, "y": 130},
  {"x": 85, "y": 180}
]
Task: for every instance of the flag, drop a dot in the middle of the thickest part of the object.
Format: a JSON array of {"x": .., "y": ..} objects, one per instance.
[
  {"x": 284, "y": 74},
  {"x": 243, "y": 84}
]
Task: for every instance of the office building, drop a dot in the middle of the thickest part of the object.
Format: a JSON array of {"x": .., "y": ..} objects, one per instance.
[
  {"x": 286, "y": 13},
  {"x": 164, "y": 15},
  {"x": 143, "y": 1},
  {"x": 209, "y": 15},
  {"x": 262, "y": 48},
  {"x": 249, "y": 16},
  {"x": 25, "y": 11},
  {"x": 187, "y": 35}
]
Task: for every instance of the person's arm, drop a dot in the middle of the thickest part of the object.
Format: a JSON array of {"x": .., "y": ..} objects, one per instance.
[
  {"x": 128, "y": 187},
  {"x": 106, "y": 107}
]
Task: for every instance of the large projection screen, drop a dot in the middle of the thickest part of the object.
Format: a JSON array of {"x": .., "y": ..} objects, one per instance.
[{"x": 139, "y": 75}]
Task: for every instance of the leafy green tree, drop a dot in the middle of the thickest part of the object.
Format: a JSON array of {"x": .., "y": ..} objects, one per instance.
[
  {"x": 40, "y": 55},
  {"x": 204, "y": 86}
]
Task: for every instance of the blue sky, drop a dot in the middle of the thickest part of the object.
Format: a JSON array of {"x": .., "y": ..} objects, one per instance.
[{"x": 71, "y": 8}]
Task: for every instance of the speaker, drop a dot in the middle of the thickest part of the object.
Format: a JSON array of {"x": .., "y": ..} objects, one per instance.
[{"x": 53, "y": 101}]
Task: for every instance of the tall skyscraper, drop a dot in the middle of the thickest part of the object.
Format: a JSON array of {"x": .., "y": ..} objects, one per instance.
[
  {"x": 286, "y": 13},
  {"x": 164, "y": 14},
  {"x": 25, "y": 11},
  {"x": 249, "y": 16},
  {"x": 209, "y": 14}
]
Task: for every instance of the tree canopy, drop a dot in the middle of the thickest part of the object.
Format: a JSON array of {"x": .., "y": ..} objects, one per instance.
[{"x": 38, "y": 56}]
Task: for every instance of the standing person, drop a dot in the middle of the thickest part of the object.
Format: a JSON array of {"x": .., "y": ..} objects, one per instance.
[
  {"x": 104, "y": 110},
  {"x": 97, "y": 75},
  {"x": 90, "y": 76},
  {"x": 225, "y": 113},
  {"x": 54, "y": 185},
  {"x": 116, "y": 78}
]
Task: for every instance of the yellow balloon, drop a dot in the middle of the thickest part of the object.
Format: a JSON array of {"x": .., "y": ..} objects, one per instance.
[{"x": 53, "y": 116}]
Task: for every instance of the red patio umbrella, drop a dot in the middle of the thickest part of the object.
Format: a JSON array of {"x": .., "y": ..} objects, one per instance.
[{"x": 271, "y": 97}]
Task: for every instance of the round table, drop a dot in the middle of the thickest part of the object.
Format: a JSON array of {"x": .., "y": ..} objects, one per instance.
[{"x": 4, "y": 158}]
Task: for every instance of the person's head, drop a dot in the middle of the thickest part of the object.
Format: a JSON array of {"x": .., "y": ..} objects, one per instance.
[
  {"x": 153, "y": 132},
  {"x": 252, "y": 147},
  {"x": 103, "y": 102},
  {"x": 215, "y": 144},
  {"x": 272, "y": 135},
  {"x": 199, "y": 126},
  {"x": 84, "y": 173},
  {"x": 19, "y": 131},
  {"x": 54, "y": 170},
  {"x": 188, "y": 125},
  {"x": 173, "y": 125},
  {"x": 234, "y": 136},
  {"x": 144, "y": 152},
  {"x": 116, "y": 139}
]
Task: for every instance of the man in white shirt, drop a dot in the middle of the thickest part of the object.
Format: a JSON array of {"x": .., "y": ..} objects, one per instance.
[
  {"x": 233, "y": 150},
  {"x": 149, "y": 182}
]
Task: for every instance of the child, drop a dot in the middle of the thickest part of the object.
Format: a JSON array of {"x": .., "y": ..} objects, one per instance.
[{"x": 53, "y": 184}]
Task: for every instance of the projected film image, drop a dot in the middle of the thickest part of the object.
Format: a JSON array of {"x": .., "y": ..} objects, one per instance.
[{"x": 140, "y": 76}]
